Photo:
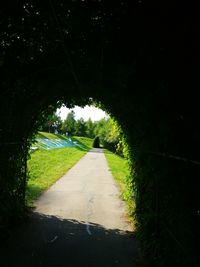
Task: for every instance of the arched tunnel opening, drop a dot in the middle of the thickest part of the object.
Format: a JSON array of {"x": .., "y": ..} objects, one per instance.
[{"x": 143, "y": 67}]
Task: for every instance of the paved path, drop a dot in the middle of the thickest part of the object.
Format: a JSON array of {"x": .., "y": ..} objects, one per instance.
[
  {"x": 86, "y": 193},
  {"x": 79, "y": 221}
]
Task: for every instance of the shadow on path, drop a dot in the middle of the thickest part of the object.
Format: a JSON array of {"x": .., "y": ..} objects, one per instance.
[{"x": 51, "y": 241}]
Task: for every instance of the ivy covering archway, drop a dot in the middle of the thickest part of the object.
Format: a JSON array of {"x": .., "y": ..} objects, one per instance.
[{"x": 77, "y": 50}]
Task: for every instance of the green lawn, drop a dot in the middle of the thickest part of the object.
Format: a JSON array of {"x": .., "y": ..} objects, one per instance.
[
  {"x": 50, "y": 136},
  {"x": 120, "y": 171},
  {"x": 84, "y": 141},
  {"x": 47, "y": 166}
]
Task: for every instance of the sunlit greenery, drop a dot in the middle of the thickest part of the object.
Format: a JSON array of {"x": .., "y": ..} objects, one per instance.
[
  {"x": 106, "y": 129},
  {"x": 120, "y": 171}
]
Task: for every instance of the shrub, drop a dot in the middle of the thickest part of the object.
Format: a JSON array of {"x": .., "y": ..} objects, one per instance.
[{"x": 96, "y": 143}]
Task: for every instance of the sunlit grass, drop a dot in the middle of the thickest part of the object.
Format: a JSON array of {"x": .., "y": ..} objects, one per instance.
[
  {"x": 49, "y": 135},
  {"x": 85, "y": 141},
  {"x": 120, "y": 171}
]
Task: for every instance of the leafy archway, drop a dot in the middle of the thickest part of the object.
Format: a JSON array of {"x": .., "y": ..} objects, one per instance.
[
  {"x": 69, "y": 52},
  {"x": 160, "y": 203}
]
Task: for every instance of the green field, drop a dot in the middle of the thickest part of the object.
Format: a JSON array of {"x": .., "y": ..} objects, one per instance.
[
  {"x": 47, "y": 166},
  {"x": 120, "y": 171}
]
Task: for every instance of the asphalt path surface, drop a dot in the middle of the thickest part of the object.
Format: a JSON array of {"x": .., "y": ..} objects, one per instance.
[{"x": 79, "y": 221}]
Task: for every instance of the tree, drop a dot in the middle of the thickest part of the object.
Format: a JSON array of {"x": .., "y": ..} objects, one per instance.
[
  {"x": 52, "y": 123},
  {"x": 102, "y": 129},
  {"x": 68, "y": 126},
  {"x": 80, "y": 127},
  {"x": 96, "y": 142},
  {"x": 90, "y": 128},
  {"x": 109, "y": 134}
]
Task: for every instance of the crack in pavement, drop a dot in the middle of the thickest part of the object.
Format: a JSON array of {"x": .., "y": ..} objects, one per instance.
[{"x": 89, "y": 213}]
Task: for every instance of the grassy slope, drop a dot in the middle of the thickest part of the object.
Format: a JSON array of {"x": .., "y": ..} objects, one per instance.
[
  {"x": 118, "y": 167},
  {"x": 84, "y": 141},
  {"x": 45, "y": 167},
  {"x": 50, "y": 136},
  {"x": 120, "y": 171}
]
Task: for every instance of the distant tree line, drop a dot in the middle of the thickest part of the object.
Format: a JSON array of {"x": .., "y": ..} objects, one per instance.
[{"x": 106, "y": 129}]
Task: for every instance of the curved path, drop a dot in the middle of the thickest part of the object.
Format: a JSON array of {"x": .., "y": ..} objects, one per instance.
[{"x": 79, "y": 221}]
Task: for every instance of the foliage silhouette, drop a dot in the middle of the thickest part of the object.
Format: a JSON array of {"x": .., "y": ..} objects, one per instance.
[
  {"x": 96, "y": 142},
  {"x": 139, "y": 61}
]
